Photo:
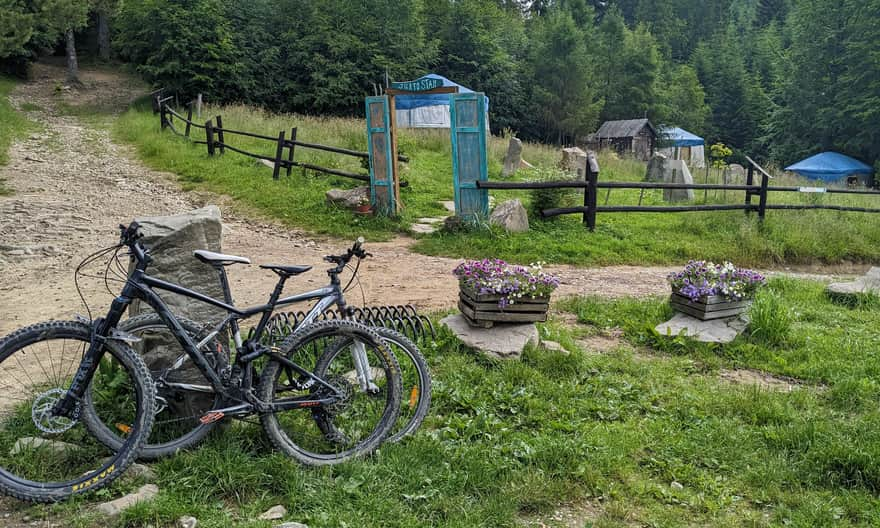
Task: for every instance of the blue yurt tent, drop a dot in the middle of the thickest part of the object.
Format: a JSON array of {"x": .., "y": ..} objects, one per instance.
[
  {"x": 428, "y": 110},
  {"x": 833, "y": 167},
  {"x": 678, "y": 143}
]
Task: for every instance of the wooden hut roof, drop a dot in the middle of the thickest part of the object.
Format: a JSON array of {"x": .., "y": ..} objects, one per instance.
[{"x": 623, "y": 128}]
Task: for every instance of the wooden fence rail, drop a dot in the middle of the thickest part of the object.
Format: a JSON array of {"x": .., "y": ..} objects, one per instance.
[
  {"x": 215, "y": 139},
  {"x": 591, "y": 185}
]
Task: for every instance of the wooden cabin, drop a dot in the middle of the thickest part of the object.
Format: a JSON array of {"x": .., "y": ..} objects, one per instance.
[{"x": 633, "y": 137}]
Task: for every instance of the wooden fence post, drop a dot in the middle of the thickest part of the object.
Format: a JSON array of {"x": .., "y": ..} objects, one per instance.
[
  {"x": 279, "y": 151},
  {"x": 750, "y": 180},
  {"x": 162, "y": 120},
  {"x": 209, "y": 136},
  {"x": 220, "y": 135},
  {"x": 591, "y": 191},
  {"x": 762, "y": 202},
  {"x": 290, "y": 152},
  {"x": 189, "y": 118}
]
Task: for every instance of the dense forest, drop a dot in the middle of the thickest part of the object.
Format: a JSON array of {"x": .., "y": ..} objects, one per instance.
[{"x": 776, "y": 79}]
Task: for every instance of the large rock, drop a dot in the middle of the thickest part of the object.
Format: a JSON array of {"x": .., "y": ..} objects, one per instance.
[
  {"x": 574, "y": 160},
  {"x": 502, "y": 341},
  {"x": 513, "y": 158},
  {"x": 511, "y": 215},
  {"x": 734, "y": 174},
  {"x": 656, "y": 170},
  {"x": 172, "y": 240},
  {"x": 349, "y": 198},
  {"x": 714, "y": 331},
  {"x": 27, "y": 443},
  {"x": 852, "y": 291},
  {"x": 678, "y": 172}
]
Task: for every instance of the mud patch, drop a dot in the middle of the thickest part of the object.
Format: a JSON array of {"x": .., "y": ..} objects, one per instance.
[{"x": 761, "y": 379}]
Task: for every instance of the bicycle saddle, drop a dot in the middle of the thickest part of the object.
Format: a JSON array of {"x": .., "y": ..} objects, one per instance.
[
  {"x": 219, "y": 259},
  {"x": 286, "y": 271}
]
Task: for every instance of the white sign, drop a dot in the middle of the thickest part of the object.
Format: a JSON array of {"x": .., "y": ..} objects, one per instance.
[{"x": 811, "y": 189}]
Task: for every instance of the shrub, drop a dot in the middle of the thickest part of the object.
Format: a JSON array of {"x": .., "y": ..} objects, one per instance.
[{"x": 548, "y": 198}]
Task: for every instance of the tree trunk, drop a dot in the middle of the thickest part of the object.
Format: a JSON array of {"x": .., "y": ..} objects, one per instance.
[
  {"x": 103, "y": 35},
  {"x": 72, "y": 66}
]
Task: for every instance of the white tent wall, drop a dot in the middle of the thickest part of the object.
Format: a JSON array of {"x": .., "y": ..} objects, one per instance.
[{"x": 697, "y": 157}]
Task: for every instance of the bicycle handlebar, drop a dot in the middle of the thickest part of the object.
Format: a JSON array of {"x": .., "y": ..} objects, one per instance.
[
  {"x": 130, "y": 236},
  {"x": 355, "y": 250}
]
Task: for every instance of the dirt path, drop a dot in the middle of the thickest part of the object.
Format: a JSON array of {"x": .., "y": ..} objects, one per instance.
[{"x": 72, "y": 185}]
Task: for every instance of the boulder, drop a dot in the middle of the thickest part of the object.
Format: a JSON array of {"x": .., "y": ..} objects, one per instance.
[
  {"x": 678, "y": 172},
  {"x": 656, "y": 168},
  {"x": 511, "y": 215},
  {"x": 349, "y": 198},
  {"x": 172, "y": 240},
  {"x": 852, "y": 291},
  {"x": 115, "y": 507},
  {"x": 33, "y": 442},
  {"x": 574, "y": 160},
  {"x": 734, "y": 173},
  {"x": 513, "y": 158},
  {"x": 187, "y": 521},
  {"x": 714, "y": 331},
  {"x": 502, "y": 341},
  {"x": 273, "y": 513}
]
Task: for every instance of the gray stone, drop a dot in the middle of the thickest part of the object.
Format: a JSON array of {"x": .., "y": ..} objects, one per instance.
[
  {"x": 431, "y": 220},
  {"x": 678, "y": 172},
  {"x": 141, "y": 471},
  {"x": 449, "y": 205},
  {"x": 187, "y": 521},
  {"x": 734, "y": 173},
  {"x": 423, "y": 229},
  {"x": 574, "y": 160},
  {"x": 513, "y": 158},
  {"x": 867, "y": 285},
  {"x": 291, "y": 525},
  {"x": 523, "y": 164},
  {"x": 715, "y": 331},
  {"x": 502, "y": 341},
  {"x": 656, "y": 168},
  {"x": 511, "y": 215},
  {"x": 172, "y": 240},
  {"x": 553, "y": 346},
  {"x": 349, "y": 198},
  {"x": 115, "y": 507},
  {"x": 273, "y": 513},
  {"x": 32, "y": 442}
]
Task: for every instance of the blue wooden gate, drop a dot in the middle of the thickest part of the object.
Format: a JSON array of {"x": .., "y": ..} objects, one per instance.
[
  {"x": 467, "y": 113},
  {"x": 381, "y": 157}
]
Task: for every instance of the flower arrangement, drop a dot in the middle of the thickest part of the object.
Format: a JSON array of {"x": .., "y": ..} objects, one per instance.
[
  {"x": 511, "y": 282},
  {"x": 701, "y": 279}
]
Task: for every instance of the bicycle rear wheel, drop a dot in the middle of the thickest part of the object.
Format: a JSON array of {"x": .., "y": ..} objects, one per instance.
[
  {"x": 358, "y": 421},
  {"x": 46, "y": 458},
  {"x": 183, "y": 396},
  {"x": 416, "y": 381}
]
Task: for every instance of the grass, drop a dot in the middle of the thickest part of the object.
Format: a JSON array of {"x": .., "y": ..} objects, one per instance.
[
  {"x": 645, "y": 434},
  {"x": 12, "y": 125},
  {"x": 790, "y": 237}
]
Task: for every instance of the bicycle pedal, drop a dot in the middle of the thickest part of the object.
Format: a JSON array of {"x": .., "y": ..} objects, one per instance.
[{"x": 211, "y": 417}]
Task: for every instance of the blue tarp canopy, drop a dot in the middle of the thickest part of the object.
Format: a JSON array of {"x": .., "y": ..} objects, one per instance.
[
  {"x": 679, "y": 137},
  {"x": 408, "y": 102},
  {"x": 829, "y": 166}
]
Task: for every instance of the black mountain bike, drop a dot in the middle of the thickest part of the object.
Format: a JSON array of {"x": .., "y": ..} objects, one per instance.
[
  {"x": 184, "y": 395},
  {"x": 344, "y": 407}
]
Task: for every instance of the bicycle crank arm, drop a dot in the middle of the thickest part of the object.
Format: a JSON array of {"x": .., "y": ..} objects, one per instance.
[
  {"x": 298, "y": 404},
  {"x": 216, "y": 415},
  {"x": 187, "y": 387}
]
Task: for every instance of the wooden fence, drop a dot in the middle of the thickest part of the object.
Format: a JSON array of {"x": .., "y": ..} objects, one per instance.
[
  {"x": 761, "y": 191},
  {"x": 216, "y": 140}
]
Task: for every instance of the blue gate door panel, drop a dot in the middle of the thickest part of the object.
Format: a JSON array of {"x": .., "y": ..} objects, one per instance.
[
  {"x": 467, "y": 113},
  {"x": 381, "y": 170}
]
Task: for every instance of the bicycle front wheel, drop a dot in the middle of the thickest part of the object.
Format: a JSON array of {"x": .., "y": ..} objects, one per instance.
[
  {"x": 46, "y": 458},
  {"x": 362, "y": 415}
]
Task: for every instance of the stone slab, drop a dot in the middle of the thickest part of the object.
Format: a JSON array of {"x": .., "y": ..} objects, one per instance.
[
  {"x": 502, "y": 341},
  {"x": 115, "y": 507},
  {"x": 423, "y": 229},
  {"x": 869, "y": 284},
  {"x": 714, "y": 331}
]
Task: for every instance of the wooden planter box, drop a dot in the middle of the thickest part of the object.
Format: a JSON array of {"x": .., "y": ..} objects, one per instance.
[
  {"x": 708, "y": 308},
  {"x": 483, "y": 310}
]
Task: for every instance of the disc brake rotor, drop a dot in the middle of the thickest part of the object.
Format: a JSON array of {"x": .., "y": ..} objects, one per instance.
[{"x": 41, "y": 412}]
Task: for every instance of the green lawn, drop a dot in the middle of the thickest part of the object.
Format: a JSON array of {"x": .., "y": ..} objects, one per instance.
[
  {"x": 792, "y": 237},
  {"x": 12, "y": 124},
  {"x": 646, "y": 434}
]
